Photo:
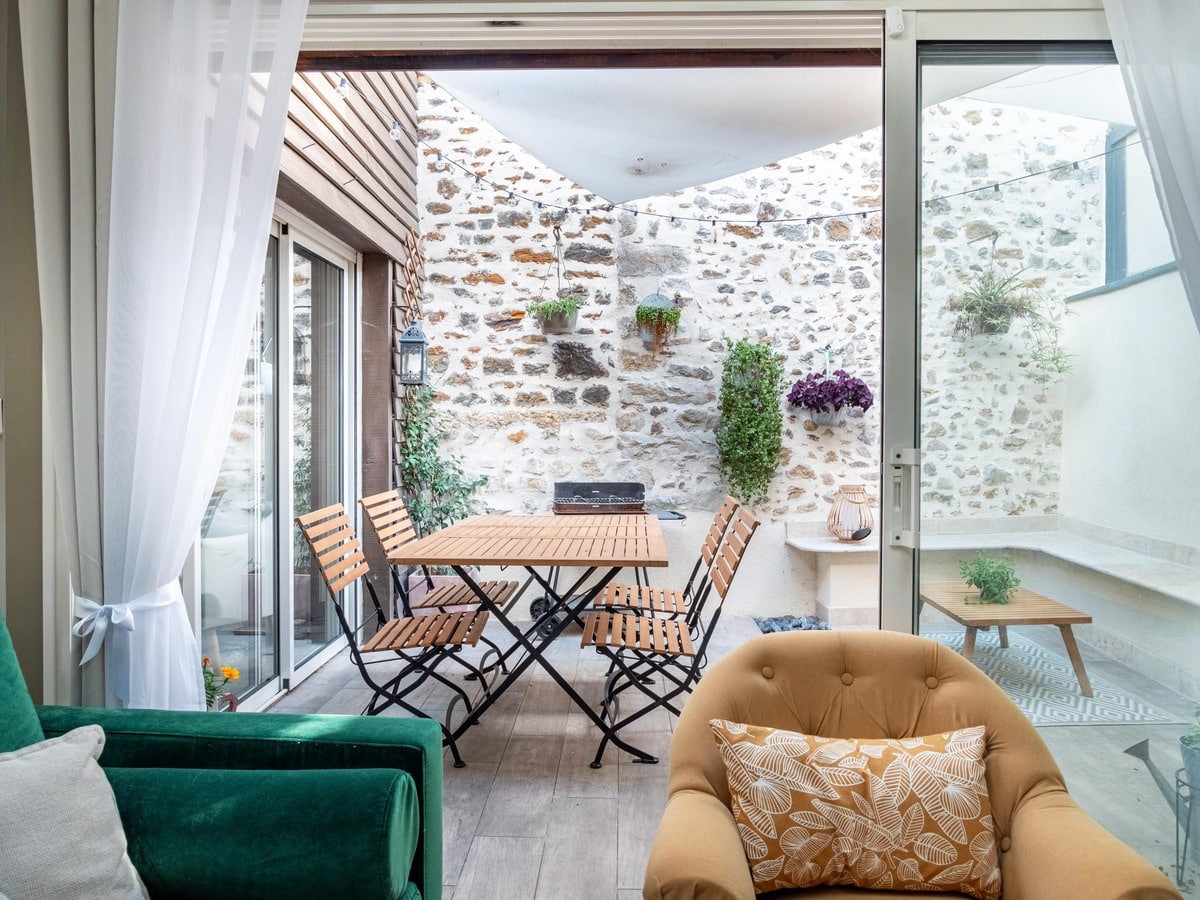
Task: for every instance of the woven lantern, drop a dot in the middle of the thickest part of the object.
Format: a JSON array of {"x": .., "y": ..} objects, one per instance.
[{"x": 851, "y": 512}]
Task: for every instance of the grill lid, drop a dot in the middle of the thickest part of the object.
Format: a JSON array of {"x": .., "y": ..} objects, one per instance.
[{"x": 578, "y": 497}]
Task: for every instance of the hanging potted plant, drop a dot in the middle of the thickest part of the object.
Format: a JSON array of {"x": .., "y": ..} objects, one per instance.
[
  {"x": 557, "y": 315},
  {"x": 750, "y": 428},
  {"x": 992, "y": 301},
  {"x": 657, "y": 318},
  {"x": 827, "y": 395}
]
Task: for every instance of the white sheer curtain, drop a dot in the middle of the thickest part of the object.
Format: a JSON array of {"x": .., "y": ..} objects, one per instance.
[
  {"x": 1157, "y": 43},
  {"x": 196, "y": 142}
]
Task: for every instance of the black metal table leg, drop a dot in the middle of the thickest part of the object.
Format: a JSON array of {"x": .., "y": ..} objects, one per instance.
[{"x": 534, "y": 651}]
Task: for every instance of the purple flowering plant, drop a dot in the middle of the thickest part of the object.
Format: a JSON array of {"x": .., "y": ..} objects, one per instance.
[{"x": 818, "y": 391}]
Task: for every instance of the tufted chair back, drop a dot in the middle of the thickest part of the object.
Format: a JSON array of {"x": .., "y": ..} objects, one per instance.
[{"x": 862, "y": 685}]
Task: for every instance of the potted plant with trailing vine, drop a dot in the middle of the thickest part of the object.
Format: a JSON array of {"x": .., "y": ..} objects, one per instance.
[
  {"x": 557, "y": 314},
  {"x": 993, "y": 300},
  {"x": 657, "y": 318},
  {"x": 750, "y": 428},
  {"x": 828, "y": 395}
]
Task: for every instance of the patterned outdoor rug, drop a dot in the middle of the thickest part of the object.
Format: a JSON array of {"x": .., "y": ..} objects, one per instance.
[{"x": 1043, "y": 684}]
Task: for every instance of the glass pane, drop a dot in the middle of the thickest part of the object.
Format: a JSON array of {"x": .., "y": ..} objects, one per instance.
[
  {"x": 1058, "y": 395},
  {"x": 317, "y": 432},
  {"x": 238, "y": 564}
]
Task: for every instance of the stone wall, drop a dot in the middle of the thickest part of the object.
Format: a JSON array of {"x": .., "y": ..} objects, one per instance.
[
  {"x": 597, "y": 405},
  {"x": 991, "y": 419}
]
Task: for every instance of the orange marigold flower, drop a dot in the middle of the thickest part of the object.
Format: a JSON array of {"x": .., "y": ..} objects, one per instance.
[{"x": 206, "y": 661}]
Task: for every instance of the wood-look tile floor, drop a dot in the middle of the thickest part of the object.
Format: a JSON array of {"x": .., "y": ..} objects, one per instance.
[{"x": 528, "y": 819}]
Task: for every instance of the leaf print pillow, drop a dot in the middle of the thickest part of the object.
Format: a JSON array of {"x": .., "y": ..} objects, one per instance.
[{"x": 903, "y": 815}]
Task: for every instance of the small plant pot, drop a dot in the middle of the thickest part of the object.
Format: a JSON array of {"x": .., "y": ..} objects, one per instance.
[
  {"x": 559, "y": 323},
  {"x": 828, "y": 416},
  {"x": 995, "y": 327}
]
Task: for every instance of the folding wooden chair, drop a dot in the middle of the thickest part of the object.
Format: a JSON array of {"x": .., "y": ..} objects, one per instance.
[
  {"x": 422, "y": 642},
  {"x": 394, "y": 528},
  {"x": 644, "y": 599},
  {"x": 663, "y": 658}
]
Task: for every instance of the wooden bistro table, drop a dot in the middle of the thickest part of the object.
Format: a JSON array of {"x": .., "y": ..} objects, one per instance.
[
  {"x": 601, "y": 542},
  {"x": 1025, "y": 608}
]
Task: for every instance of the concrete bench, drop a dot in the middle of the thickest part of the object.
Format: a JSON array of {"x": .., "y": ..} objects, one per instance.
[{"x": 1143, "y": 594}]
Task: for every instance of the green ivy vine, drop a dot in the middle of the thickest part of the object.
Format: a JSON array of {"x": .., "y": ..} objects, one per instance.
[
  {"x": 750, "y": 429},
  {"x": 436, "y": 489}
]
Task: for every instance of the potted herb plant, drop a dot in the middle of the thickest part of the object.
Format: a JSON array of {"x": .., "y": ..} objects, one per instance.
[
  {"x": 750, "y": 428},
  {"x": 827, "y": 395},
  {"x": 996, "y": 579},
  {"x": 557, "y": 315},
  {"x": 657, "y": 317}
]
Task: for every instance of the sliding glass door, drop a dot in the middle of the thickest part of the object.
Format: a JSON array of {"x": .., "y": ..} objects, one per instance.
[
  {"x": 239, "y": 563},
  {"x": 1057, "y": 368},
  {"x": 289, "y": 451},
  {"x": 318, "y": 435}
]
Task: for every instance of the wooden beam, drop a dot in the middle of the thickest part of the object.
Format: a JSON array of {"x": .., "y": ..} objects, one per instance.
[{"x": 390, "y": 60}]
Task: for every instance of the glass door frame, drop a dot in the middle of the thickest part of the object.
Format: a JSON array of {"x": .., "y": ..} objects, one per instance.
[
  {"x": 900, "y": 480},
  {"x": 295, "y": 229}
]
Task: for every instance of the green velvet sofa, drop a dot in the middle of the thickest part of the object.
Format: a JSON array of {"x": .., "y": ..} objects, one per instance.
[{"x": 252, "y": 805}]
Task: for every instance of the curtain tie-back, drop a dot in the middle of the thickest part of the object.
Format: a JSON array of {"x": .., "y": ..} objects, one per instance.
[{"x": 95, "y": 618}]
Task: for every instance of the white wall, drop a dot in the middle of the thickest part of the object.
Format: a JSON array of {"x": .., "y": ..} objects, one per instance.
[{"x": 1131, "y": 422}]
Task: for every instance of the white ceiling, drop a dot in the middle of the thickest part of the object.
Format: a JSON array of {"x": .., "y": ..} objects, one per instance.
[{"x": 625, "y": 134}]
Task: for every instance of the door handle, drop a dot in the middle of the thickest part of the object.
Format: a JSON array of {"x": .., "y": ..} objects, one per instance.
[{"x": 905, "y": 479}]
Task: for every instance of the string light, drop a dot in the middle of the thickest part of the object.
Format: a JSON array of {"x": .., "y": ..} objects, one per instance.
[{"x": 398, "y": 132}]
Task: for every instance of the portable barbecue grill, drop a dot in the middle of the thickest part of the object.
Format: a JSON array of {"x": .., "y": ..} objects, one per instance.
[{"x": 577, "y": 498}]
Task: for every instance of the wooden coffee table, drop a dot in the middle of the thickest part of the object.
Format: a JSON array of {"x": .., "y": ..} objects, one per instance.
[{"x": 1025, "y": 608}]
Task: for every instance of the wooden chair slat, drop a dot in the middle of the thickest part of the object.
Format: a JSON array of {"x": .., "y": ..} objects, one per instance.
[{"x": 336, "y": 587}]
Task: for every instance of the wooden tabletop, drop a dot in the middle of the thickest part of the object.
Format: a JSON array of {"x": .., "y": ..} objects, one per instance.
[
  {"x": 1025, "y": 608},
  {"x": 504, "y": 540}
]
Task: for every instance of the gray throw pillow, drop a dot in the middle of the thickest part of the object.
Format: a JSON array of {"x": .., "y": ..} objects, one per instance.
[{"x": 60, "y": 832}]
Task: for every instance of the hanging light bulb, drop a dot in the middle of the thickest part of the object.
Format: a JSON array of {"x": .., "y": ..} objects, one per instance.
[
  {"x": 343, "y": 88},
  {"x": 395, "y": 132}
]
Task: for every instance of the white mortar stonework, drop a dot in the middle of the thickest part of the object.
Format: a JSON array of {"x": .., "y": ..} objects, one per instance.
[
  {"x": 528, "y": 410},
  {"x": 596, "y": 405},
  {"x": 991, "y": 429}
]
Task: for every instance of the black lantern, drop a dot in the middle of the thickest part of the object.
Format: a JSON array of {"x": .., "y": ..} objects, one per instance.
[{"x": 412, "y": 355}]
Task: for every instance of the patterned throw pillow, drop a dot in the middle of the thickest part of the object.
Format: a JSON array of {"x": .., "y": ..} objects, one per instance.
[{"x": 905, "y": 815}]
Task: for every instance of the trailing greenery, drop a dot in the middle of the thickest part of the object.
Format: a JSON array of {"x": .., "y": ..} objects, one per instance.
[
  {"x": 436, "y": 489},
  {"x": 996, "y": 579},
  {"x": 750, "y": 429},
  {"x": 661, "y": 321},
  {"x": 567, "y": 303},
  {"x": 993, "y": 301},
  {"x": 1046, "y": 350}
]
